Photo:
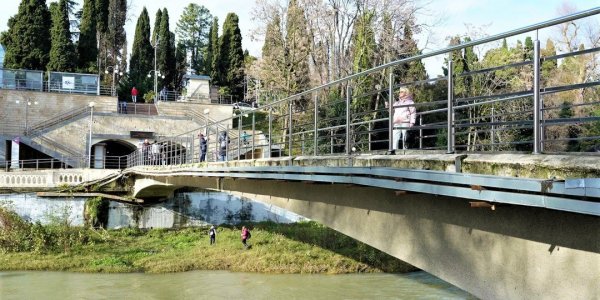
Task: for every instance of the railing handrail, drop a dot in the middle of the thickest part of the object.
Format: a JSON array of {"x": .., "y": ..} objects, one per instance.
[{"x": 56, "y": 119}]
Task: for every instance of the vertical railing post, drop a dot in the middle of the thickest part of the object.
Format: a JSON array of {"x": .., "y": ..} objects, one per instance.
[
  {"x": 391, "y": 112},
  {"x": 420, "y": 132},
  {"x": 331, "y": 140},
  {"x": 493, "y": 131},
  {"x": 253, "y": 131},
  {"x": 369, "y": 135},
  {"x": 240, "y": 120},
  {"x": 315, "y": 126},
  {"x": 226, "y": 142},
  {"x": 537, "y": 141},
  {"x": 270, "y": 130},
  {"x": 302, "y": 144},
  {"x": 450, "y": 146},
  {"x": 290, "y": 127},
  {"x": 348, "y": 112}
]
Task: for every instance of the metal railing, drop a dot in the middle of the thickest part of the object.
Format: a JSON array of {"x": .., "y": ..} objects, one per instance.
[
  {"x": 107, "y": 162},
  {"x": 147, "y": 109},
  {"x": 477, "y": 113}
]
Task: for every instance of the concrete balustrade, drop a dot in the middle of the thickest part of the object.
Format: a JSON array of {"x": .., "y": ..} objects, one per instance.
[{"x": 50, "y": 178}]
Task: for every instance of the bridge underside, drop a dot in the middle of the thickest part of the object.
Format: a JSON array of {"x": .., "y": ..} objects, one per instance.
[{"x": 512, "y": 252}]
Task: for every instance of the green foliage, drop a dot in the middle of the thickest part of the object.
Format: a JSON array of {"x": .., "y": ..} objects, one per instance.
[
  {"x": 142, "y": 56},
  {"x": 87, "y": 48},
  {"x": 166, "y": 52},
  {"x": 213, "y": 56},
  {"x": 364, "y": 55},
  {"x": 231, "y": 56},
  {"x": 62, "y": 50},
  {"x": 102, "y": 15},
  {"x": 193, "y": 30},
  {"x": 297, "y": 49},
  {"x": 277, "y": 248},
  {"x": 96, "y": 212},
  {"x": 17, "y": 235},
  {"x": 27, "y": 40},
  {"x": 149, "y": 97}
]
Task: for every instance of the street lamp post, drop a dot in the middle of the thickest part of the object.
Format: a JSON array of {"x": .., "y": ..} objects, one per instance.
[
  {"x": 114, "y": 73},
  {"x": 156, "y": 75},
  {"x": 91, "y": 105}
]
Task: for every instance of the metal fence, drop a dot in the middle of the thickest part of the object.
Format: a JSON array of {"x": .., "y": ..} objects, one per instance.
[{"x": 349, "y": 115}]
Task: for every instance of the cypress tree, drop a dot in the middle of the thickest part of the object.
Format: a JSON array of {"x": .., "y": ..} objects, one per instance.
[
  {"x": 273, "y": 63},
  {"x": 363, "y": 52},
  {"x": 87, "y": 48},
  {"x": 215, "y": 70},
  {"x": 116, "y": 36},
  {"x": 232, "y": 56},
  {"x": 166, "y": 52},
  {"x": 62, "y": 51},
  {"x": 155, "y": 30},
  {"x": 142, "y": 55},
  {"x": 101, "y": 13},
  {"x": 528, "y": 48},
  {"x": 27, "y": 40},
  {"x": 297, "y": 49}
]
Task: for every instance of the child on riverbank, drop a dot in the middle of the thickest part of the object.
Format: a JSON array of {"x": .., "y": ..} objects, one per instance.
[
  {"x": 245, "y": 236},
  {"x": 212, "y": 232}
]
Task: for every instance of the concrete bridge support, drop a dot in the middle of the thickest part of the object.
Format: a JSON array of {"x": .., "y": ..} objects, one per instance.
[{"x": 513, "y": 252}]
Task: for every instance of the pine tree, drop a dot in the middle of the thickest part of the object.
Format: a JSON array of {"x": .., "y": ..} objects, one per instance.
[
  {"x": 87, "y": 47},
  {"x": 215, "y": 56},
  {"x": 166, "y": 52},
  {"x": 62, "y": 51},
  {"x": 232, "y": 56},
  {"x": 142, "y": 55},
  {"x": 27, "y": 40},
  {"x": 193, "y": 30}
]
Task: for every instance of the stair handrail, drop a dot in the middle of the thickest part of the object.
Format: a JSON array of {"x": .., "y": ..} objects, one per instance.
[{"x": 39, "y": 127}]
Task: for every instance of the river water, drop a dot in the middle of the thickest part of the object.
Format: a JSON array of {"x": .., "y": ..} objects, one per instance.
[{"x": 224, "y": 285}]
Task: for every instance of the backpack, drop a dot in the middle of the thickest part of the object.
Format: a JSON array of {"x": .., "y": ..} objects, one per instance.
[{"x": 249, "y": 235}]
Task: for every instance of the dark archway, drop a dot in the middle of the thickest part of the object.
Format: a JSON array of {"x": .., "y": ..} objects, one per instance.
[{"x": 116, "y": 153}]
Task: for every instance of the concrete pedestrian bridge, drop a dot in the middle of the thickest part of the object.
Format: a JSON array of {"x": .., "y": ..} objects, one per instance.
[{"x": 530, "y": 233}]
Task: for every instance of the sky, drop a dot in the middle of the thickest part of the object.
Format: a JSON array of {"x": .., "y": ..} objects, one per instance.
[{"x": 451, "y": 17}]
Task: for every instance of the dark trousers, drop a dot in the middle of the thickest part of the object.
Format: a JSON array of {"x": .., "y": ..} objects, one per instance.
[
  {"x": 203, "y": 156},
  {"x": 244, "y": 242},
  {"x": 212, "y": 239}
]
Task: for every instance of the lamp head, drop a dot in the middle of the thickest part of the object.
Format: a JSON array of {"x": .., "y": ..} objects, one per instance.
[
  {"x": 206, "y": 111},
  {"x": 92, "y": 104}
]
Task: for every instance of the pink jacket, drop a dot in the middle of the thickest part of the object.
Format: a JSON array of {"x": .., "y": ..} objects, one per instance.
[
  {"x": 405, "y": 111},
  {"x": 245, "y": 233}
]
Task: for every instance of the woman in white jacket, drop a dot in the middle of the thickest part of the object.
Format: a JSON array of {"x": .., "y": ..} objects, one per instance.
[{"x": 404, "y": 116}]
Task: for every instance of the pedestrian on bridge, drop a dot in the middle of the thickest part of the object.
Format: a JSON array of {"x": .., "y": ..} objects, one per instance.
[
  {"x": 203, "y": 147},
  {"x": 224, "y": 141},
  {"x": 404, "y": 117},
  {"x": 134, "y": 93}
]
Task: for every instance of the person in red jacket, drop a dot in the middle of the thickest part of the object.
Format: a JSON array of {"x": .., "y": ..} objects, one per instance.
[{"x": 134, "y": 94}]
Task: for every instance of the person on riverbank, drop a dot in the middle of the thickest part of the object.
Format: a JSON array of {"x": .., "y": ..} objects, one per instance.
[
  {"x": 404, "y": 117},
  {"x": 245, "y": 236},
  {"x": 212, "y": 233}
]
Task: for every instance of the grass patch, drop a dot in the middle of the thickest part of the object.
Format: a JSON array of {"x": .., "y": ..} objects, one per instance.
[{"x": 276, "y": 248}]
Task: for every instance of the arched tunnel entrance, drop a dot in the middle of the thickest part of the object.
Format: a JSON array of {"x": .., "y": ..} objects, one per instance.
[{"x": 111, "y": 154}]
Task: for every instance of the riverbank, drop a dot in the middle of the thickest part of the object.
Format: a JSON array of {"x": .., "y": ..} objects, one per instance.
[{"x": 305, "y": 247}]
